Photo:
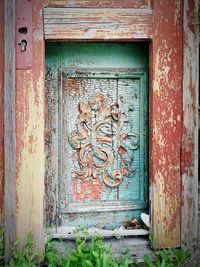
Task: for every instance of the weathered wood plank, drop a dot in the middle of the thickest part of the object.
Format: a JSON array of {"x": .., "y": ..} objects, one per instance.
[
  {"x": 189, "y": 225},
  {"x": 199, "y": 218},
  {"x": 9, "y": 127},
  {"x": 166, "y": 114},
  {"x": 70, "y": 233},
  {"x": 100, "y": 4},
  {"x": 97, "y": 24},
  {"x": 29, "y": 164},
  {"x": 1, "y": 110},
  {"x": 51, "y": 144},
  {"x": 30, "y": 140}
]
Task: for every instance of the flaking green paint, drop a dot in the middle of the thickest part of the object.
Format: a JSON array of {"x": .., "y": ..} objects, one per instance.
[{"x": 96, "y": 59}]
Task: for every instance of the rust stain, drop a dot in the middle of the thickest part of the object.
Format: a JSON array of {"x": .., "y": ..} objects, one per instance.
[
  {"x": 190, "y": 15},
  {"x": 187, "y": 154},
  {"x": 192, "y": 88}
]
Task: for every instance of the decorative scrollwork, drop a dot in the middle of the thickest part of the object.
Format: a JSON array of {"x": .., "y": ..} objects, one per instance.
[{"x": 104, "y": 141}]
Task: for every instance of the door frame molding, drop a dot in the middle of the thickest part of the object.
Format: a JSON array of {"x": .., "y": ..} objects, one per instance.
[
  {"x": 94, "y": 24},
  {"x": 166, "y": 54},
  {"x": 60, "y": 24},
  {"x": 9, "y": 128}
]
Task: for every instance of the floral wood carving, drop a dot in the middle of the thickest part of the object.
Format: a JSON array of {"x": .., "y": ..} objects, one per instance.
[{"x": 104, "y": 141}]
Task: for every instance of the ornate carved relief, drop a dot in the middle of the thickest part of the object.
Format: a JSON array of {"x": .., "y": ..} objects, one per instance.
[{"x": 104, "y": 141}]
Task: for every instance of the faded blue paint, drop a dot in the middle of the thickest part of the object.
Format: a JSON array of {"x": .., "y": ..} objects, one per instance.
[{"x": 127, "y": 87}]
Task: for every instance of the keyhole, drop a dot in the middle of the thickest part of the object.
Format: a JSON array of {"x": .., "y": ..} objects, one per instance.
[{"x": 23, "y": 45}]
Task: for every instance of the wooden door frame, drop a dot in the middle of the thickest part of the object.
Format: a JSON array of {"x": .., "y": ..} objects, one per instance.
[
  {"x": 57, "y": 27},
  {"x": 62, "y": 206},
  {"x": 9, "y": 127},
  {"x": 166, "y": 86}
]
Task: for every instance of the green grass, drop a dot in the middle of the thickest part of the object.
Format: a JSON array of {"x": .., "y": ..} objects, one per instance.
[{"x": 94, "y": 255}]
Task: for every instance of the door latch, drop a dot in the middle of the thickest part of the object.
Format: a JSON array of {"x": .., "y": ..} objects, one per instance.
[{"x": 24, "y": 53}]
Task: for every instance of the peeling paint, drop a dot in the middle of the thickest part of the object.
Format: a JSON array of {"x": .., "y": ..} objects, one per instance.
[
  {"x": 166, "y": 123},
  {"x": 166, "y": 126},
  {"x": 99, "y": 150},
  {"x": 28, "y": 146},
  {"x": 89, "y": 190},
  {"x": 30, "y": 140},
  {"x": 190, "y": 139},
  {"x": 97, "y": 24},
  {"x": 177, "y": 11},
  {"x": 100, "y": 4}
]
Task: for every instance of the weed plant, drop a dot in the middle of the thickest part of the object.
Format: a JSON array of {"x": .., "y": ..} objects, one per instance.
[
  {"x": 83, "y": 255},
  {"x": 1, "y": 245}
]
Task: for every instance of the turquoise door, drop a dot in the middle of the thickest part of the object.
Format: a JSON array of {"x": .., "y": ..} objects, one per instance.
[{"x": 96, "y": 133}]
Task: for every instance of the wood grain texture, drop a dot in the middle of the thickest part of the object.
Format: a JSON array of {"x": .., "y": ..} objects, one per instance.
[
  {"x": 189, "y": 226},
  {"x": 69, "y": 233},
  {"x": 9, "y": 129},
  {"x": 1, "y": 110},
  {"x": 97, "y": 24},
  {"x": 166, "y": 114},
  {"x": 101, "y": 4},
  {"x": 29, "y": 156},
  {"x": 30, "y": 139},
  {"x": 51, "y": 146}
]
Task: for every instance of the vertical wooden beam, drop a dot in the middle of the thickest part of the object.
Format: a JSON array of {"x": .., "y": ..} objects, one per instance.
[
  {"x": 1, "y": 110},
  {"x": 9, "y": 130},
  {"x": 30, "y": 137},
  {"x": 189, "y": 225},
  {"x": 166, "y": 115}
]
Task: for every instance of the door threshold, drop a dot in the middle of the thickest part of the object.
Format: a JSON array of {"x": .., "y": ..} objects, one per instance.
[
  {"x": 71, "y": 233},
  {"x": 135, "y": 247}
]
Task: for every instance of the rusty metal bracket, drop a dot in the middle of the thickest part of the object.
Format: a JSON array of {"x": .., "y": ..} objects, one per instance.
[{"x": 24, "y": 54}]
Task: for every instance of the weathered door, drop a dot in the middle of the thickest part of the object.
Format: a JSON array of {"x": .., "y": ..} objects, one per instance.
[{"x": 96, "y": 133}]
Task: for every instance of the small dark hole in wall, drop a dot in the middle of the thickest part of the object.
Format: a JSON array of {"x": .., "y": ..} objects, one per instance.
[{"x": 23, "y": 30}]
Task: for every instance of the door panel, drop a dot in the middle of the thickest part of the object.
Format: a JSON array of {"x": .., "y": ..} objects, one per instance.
[{"x": 100, "y": 141}]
